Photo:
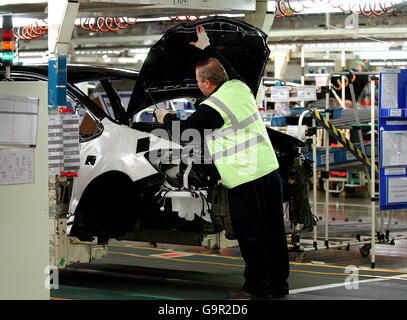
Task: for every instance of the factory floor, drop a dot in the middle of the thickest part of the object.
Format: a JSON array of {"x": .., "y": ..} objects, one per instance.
[{"x": 140, "y": 271}]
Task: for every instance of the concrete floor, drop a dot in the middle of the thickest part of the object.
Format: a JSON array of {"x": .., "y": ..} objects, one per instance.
[{"x": 135, "y": 271}]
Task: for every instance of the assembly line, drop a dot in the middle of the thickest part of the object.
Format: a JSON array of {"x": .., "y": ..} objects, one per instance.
[{"x": 202, "y": 152}]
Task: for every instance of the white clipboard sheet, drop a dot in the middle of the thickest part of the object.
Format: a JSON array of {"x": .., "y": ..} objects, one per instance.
[
  {"x": 397, "y": 190},
  {"x": 280, "y": 94},
  {"x": 306, "y": 93},
  {"x": 394, "y": 148},
  {"x": 389, "y": 90},
  {"x": 63, "y": 143},
  {"x": 16, "y": 166},
  {"x": 19, "y": 120}
]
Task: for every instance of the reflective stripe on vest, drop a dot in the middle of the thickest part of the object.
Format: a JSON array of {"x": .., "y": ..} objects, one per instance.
[
  {"x": 235, "y": 124},
  {"x": 241, "y": 148}
]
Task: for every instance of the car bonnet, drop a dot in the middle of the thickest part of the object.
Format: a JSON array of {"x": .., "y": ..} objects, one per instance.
[{"x": 168, "y": 71}]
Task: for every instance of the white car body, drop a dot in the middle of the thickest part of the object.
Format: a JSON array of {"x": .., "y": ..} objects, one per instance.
[{"x": 115, "y": 150}]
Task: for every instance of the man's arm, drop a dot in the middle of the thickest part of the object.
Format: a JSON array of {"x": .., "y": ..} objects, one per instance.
[
  {"x": 203, "y": 118},
  {"x": 211, "y": 52}
]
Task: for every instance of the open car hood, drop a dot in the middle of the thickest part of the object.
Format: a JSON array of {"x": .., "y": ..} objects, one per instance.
[{"x": 169, "y": 69}]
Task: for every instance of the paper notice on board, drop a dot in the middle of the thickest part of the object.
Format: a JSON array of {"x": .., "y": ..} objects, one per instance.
[
  {"x": 306, "y": 93},
  {"x": 18, "y": 118},
  {"x": 394, "y": 148},
  {"x": 293, "y": 131},
  {"x": 280, "y": 94},
  {"x": 397, "y": 191},
  {"x": 16, "y": 166},
  {"x": 389, "y": 90},
  {"x": 394, "y": 171},
  {"x": 63, "y": 143}
]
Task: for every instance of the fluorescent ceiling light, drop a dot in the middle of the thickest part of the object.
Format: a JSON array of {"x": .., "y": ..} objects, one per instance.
[
  {"x": 321, "y": 64},
  {"x": 139, "y": 51},
  {"x": 312, "y": 75},
  {"x": 388, "y": 63},
  {"x": 97, "y": 52},
  {"x": 32, "y": 53},
  {"x": 282, "y": 46},
  {"x": 347, "y": 46},
  {"x": 8, "y": 2},
  {"x": 22, "y": 22},
  {"x": 382, "y": 55},
  {"x": 28, "y": 61},
  {"x": 134, "y": 59}
]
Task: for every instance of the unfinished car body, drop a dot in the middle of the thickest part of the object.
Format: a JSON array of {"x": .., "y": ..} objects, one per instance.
[{"x": 136, "y": 180}]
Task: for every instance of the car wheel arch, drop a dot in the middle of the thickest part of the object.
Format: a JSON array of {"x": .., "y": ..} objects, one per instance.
[{"x": 105, "y": 204}]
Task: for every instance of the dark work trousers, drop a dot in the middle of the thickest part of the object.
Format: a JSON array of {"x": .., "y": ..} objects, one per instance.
[{"x": 256, "y": 212}]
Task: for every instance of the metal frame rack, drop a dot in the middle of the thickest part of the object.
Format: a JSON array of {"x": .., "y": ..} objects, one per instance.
[{"x": 369, "y": 244}]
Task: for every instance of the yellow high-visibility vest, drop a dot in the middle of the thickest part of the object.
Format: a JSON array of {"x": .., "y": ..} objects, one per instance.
[{"x": 241, "y": 149}]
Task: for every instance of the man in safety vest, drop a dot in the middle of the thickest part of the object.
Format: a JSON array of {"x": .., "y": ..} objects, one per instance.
[{"x": 245, "y": 159}]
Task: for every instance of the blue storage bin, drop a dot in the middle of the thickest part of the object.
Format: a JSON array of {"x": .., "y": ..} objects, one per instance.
[
  {"x": 339, "y": 154},
  {"x": 278, "y": 121},
  {"x": 336, "y": 154},
  {"x": 336, "y": 112}
]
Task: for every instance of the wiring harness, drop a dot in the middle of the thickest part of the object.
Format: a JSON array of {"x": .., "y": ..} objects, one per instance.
[{"x": 299, "y": 209}]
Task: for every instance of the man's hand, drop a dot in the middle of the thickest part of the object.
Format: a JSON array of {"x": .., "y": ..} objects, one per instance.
[
  {"x": 160, "y": 114},
  {"x": 203, "y": 40}
]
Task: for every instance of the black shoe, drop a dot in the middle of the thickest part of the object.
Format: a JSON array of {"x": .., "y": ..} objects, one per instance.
[
  {"x": 243, "y": 295},
  {"x": 278, "y": 293}
]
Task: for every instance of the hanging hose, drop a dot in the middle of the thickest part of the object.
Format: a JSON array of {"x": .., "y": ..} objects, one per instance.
[
  {"x": 110, "y": 26},
  {"x": 119, "y": 24},
  {"x": 278, "y": 10},
  {"x": 374, "y": 8},
  {"x": 30, "y": 32},
  {"x": 353, "y": 75},
  {"x": 363, "y": 10},
  {"x": 353, "y": 12},
  {"x": 282, "y": 8},
  {"x": 101, "y": 24}
]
